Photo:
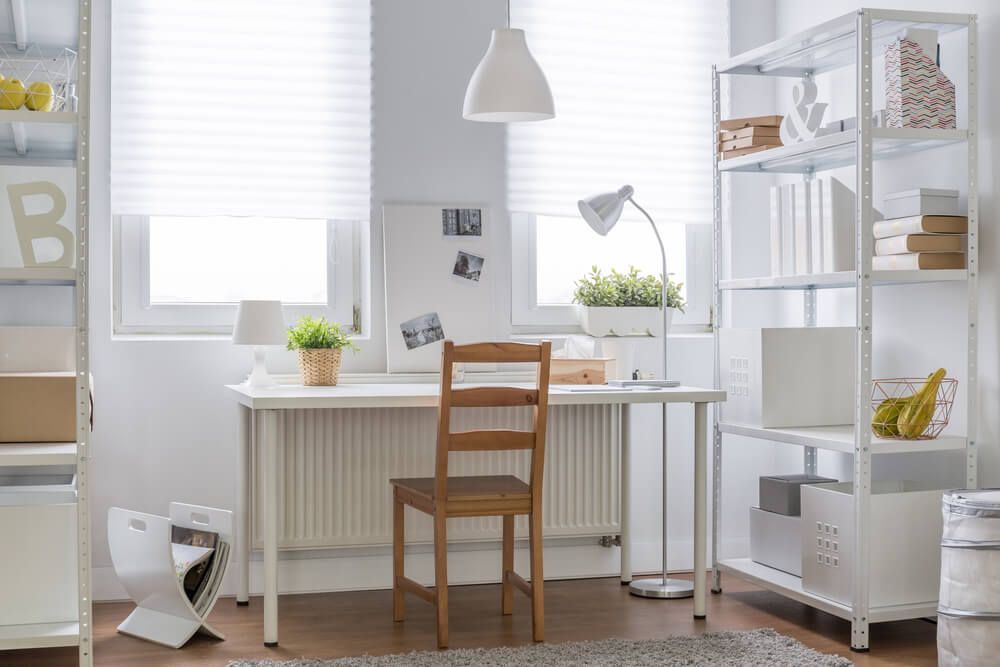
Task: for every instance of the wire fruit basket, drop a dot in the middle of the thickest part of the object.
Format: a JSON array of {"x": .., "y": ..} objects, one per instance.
[
  {"x": 35, "y": 64},
  {"x": 889, "y": 397}
]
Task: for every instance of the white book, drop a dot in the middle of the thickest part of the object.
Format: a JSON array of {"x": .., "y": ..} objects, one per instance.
[
  {"x": 775, "y": 228},
  {"x": 818, "y": 217},
  {"x": 922, "y": 224},
  {"x": 788, "y": 229},
  {"x": 899, "y": 245},
  {"x": 803, "y": 241},
  {"x": 919, "y": 261}
]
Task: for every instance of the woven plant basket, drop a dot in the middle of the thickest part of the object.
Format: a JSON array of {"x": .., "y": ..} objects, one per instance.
[{"x": 320, "y": 367}]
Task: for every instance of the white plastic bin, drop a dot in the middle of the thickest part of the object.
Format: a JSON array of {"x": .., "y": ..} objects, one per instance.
[
  {"x": 38, "y": 525},
  {"x": 905, "y": 556},
  {"x": 792, "y": 376},
  {"x": 969, "y": 605}
]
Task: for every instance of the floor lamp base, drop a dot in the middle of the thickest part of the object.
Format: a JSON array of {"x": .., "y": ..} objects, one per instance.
[{"x": 663, "y": 589}]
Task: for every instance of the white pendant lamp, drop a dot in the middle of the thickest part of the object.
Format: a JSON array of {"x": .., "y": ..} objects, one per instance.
[{"x": 508, "y": 86}]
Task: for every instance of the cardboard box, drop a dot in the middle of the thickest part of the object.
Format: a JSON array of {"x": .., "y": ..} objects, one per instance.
[
  {"x": 595, "y": 370},
  {"x": 775, "y": 541},
  {"x": 788, "y": 376},
  {"x": 37, "y": 407}
]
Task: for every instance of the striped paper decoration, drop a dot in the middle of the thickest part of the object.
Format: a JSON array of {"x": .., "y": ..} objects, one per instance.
[{"x": 917, "y": 93}]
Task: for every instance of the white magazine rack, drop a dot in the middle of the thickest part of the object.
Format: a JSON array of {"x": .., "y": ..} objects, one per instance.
[{"x": 143, "y": 560}]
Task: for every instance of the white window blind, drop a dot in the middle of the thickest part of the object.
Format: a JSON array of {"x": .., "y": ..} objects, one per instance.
[
  {"x": 632, "y": 88},
  {"x": 241, "y": 108}
]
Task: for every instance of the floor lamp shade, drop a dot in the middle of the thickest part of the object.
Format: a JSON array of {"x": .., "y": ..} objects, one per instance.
[
  {"x": 508, "y": 85},
  {"x": 602, "y": 211},
  {"x": 260, "y": 323}
]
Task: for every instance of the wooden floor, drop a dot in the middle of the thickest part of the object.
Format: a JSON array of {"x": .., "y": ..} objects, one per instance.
[{"x": 330, "y": 625}]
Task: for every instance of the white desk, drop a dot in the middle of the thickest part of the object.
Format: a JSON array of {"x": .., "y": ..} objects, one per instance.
[{"x": 376, "y": 396}]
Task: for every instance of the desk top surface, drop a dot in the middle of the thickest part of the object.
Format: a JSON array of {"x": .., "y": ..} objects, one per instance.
[{"x": 418, "y": 395}]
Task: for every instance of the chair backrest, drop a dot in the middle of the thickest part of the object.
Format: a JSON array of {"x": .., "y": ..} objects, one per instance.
[{"x": 484, "y": 397}]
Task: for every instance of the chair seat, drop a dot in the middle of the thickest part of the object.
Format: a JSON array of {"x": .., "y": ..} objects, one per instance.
[{"x": 486, "y": 487}]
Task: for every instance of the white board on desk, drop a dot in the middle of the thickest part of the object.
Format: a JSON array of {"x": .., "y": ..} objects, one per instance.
[{"x": 419, "y": 263}]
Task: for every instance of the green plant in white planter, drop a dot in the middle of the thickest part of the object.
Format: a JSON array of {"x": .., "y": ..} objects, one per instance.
[{"x": 625, "y": 304}]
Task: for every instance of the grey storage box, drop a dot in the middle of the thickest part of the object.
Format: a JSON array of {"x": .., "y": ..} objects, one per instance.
[
  {"x": 775, "y": 541},
  {"x": 922, "y": 201},
  {"x": 781, "y": 494}
]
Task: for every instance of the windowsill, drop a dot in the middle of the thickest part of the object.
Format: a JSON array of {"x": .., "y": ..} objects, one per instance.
[{"x": 191, "y": 338}]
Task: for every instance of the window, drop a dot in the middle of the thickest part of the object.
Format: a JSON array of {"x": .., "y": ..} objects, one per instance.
[
  {"x": 240, "y": 159},
  {"x": 633, "y": 99}
]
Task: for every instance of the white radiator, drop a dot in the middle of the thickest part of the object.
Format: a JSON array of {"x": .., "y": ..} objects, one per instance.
[{"x": 335, "y": 467}]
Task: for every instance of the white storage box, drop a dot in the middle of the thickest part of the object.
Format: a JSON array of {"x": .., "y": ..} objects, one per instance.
[
  {"x": 922, "y": 201},
  {"x": 799, "y": 376},
  {"x": 775, "y": 541},
  {"x": 38, "y": 524},
  {"x": 905, "y": 552}
]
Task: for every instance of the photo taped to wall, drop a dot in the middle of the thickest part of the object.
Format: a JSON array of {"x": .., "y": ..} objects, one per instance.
[
  {"x": 468, "y": 266},
  {"x": 422, "y": 330},
  {"x": 462, "y": 221}
]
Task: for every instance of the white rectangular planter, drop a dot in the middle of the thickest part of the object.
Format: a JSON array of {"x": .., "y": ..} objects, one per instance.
[
  {"x": 775, "y": 541},
  {"x": 788, "y": 377},
  {"x": 38, "y": 577},
  {"x": 600, "y": 321},
  {"x": 905, "y": 553}
]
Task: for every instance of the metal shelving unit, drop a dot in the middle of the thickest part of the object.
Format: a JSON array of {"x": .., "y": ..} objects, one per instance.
[
  {"x": 842, "y": 42},
  {"x": 59, "y": 138}
]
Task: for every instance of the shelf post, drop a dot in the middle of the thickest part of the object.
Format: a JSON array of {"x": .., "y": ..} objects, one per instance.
[
  {"x": 716, "y": 324},
  {"x": 972, "y": 286},
  {"x": 863, "y": 346}
]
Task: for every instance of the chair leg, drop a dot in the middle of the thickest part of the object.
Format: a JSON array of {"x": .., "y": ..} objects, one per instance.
[
  {"x": 508, "y": 564},
  {"x": 441, "y": 576},
  {"x": 537, "y": 578},
  {"x": 398, "y": 596}
]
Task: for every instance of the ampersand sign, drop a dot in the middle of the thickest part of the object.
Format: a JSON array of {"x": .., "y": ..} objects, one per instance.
[{"x": 806, "y": 116}]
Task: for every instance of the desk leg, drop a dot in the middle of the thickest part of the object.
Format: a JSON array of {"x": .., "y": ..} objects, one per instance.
[
  {"x": 625, "y": 462},
  {"x": 244, "y": 447},
  {"x": 271, "y": 427},
  {"x": 700, "y": 507}
]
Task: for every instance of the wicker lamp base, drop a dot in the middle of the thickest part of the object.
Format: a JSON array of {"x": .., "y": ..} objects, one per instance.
[{"x": 320, "y": 367}]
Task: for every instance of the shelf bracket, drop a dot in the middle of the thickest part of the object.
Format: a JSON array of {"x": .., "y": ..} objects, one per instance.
[
  {"x": 20, "y": 134},
  {"x": 19, "y": 13}
]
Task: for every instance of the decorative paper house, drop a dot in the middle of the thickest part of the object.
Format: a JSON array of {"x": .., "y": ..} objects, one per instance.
[{"x": 917, "y": 93}]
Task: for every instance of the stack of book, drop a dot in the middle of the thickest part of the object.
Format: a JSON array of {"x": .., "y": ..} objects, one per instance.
[
  {"x": 920, "y": 242},
  {"x": 742, "y": 136}
]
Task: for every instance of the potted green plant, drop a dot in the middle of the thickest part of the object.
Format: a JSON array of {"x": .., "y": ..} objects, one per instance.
[
  {"x": 625, "y": 304},
  {"x": 320, "y": 345}
]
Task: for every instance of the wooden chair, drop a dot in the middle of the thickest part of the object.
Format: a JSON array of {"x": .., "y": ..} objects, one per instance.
[{"x": 497, "y": 495}]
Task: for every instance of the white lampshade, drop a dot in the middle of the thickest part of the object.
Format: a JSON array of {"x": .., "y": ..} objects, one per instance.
[
  {"x": 260, "y": 323},
  {"x": 602, "y": 211},
  {"x": 508, "y": 85}
]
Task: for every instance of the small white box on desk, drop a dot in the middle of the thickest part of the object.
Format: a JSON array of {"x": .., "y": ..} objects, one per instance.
[
  {"x": 788, "y": 377},
  {"x": 776, "y": 540},
  {"x": 905, "y": 545}
]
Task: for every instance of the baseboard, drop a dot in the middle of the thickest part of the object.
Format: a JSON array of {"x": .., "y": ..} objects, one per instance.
[{"x": 299, "y": 573}]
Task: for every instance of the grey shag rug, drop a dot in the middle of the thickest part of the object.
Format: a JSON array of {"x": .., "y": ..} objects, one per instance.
[{"x": 721, "y": 649}]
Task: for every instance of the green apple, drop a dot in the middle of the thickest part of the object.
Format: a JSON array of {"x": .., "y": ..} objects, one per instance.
[
  {"x": 40, "y": 96},
  {"x": 12, "y": 94}
]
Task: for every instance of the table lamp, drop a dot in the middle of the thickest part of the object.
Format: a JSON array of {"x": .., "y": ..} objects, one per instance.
[
  {"x": 259, "y": 323},
  {"x": 602, "y": 212}
]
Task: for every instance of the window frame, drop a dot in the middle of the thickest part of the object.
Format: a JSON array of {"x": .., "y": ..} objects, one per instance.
[
  {"x": 528, "y": 316},
  {"x": 135, "y": 315}
]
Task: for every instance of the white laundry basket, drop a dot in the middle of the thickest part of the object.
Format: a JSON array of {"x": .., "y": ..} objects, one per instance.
[{"x": 969, "y": 602}]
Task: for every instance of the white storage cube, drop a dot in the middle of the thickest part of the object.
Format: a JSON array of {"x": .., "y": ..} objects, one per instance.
[
  {"x": 922, "y": 201},
  {"x": 775, "y": 540},
  {"x": 38, "y": 577},
  {"x": 787, "y": 377},
  {"x": 905, "y": 554}
]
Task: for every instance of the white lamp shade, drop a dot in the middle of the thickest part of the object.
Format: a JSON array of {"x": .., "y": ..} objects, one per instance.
[
  {"x": 260, "y": 323},
  {"x": 508, "y": 86},
  {"x": 602, "y": 211}
]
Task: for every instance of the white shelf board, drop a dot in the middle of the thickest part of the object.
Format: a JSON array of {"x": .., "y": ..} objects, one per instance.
[
  {"x": 842, "y": 279},
  {"x": 39, "y": 635},
  {"x": 791, "y": 586},
  {"x": 837, "y": 150},
  {"x": 841, "y": 439},
  {"x": 29, "y": 116},
  {"x": 38, "y": 454},
  {"x": 38, "y": 276},
  {"x": 831, "y": 45}
]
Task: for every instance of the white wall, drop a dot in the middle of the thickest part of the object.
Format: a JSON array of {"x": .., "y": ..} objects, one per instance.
[{"x": 164, "y": 429}]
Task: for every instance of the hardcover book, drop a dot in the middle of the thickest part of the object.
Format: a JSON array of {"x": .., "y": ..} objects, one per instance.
[
  {"x": 899, "y": 245},
  {"x": 919, "y": 260},
  {"x": 921, "y": 224}
]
